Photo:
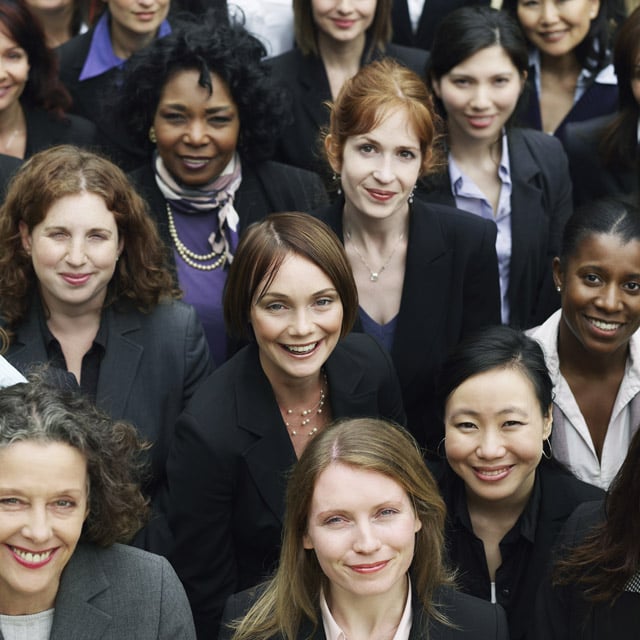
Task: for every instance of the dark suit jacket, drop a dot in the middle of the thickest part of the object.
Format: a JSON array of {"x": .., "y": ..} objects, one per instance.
[
  {"x": 8, "y": 166},
  {"x": 450, "y": 289},
  {"x": 307, "y": 85},
  {"x": 591, "y": 178},
  {"x": 597, "y": 100},
  {"x": 95, "y": 100},
  {"x": 46, "y": 130},
  {"x": 432, "y": 13},
  {"x": 267, "y": 187},
  {"x": 227, "y": 469},
  {"x": 540, "y": 206},
  {"x": 560, "y": 494},
  {"x": 120, "y": 592},
  {"x": 474, "y": 619},
  {"x": 153, "y": 364},
  {"x": 562, "y": 613}
]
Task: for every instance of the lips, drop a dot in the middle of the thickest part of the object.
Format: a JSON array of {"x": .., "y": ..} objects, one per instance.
[
  {"x": 553, "y": 36},
  {"x": 300, "y": 349},
  {"x": 606, "y": 326},
  {"x": 145, "y": 16},
  {"x": 195, "y": 163},
  {"x": 343, "y": 23},
  {"x": 480, "y": 122},
  {"x": 381, "y": 195},
  {"x": 32, "y": 559},
  {"x": 369, "y": 568},
  {"x": 76, "y": 279},
  {"x": 492, "y": 474}
]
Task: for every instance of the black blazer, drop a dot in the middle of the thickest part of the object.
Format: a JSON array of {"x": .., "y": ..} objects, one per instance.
[
  {"x": 46, "y": 130},
  {"x": 8, "y": 166},
  {"x": 307, "y": 85},
  {"x": 450, "y": 289},
  {"x": 562, "y": 613},
  {"x": 432, "y": 13},
  {"x": 473, "y": 618},
  {"x": 227, "y": 469},
  {"x": 153, "y": 364},
  {"x": 95, "y": 99},
  {"x": 560, "y": 494},
  {"x": 591, "y": 178},
  {"x": 266, "y": 187},
  {"x": 540, "y": 206}
]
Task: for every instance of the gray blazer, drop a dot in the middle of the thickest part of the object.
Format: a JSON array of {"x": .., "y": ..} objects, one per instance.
[{"x": 117, "y": 593}]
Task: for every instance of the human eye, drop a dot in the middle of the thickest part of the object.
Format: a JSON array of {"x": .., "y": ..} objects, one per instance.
[
  {"x": 632, "y": 286},
  {"x": 528, "y": 3},
  {"x": 64, "y": 503},
  {"x": 460, "y": 82},
  {"x": 465, "y": 426},
  {"x": 406, "y": 154},
  {"x": 274, "y": 306},
  {"x": 501, "y": 81},
  {"x": 366, "y": 148},
  {"x": 173, "y": 117},
  {"x": 512, "y": 423},
  {"x": 98, "y": 235},
  {"x": 334, "y": 520},
  {"x": 387, "y": 512},
  {"x": 592, "y": 279},
  {"x": 325, "y": 301},
  {"x": 16, "y": 54},
  {"x": 10, "y": 502},
  {"x": 220, "y": 121}
]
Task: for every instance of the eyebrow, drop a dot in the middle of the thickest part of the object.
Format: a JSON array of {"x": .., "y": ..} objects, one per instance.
[
  {"x": 181, "y": 107},
  {"x": 56, "y": 227},
  {"x": 275, "y": 294},
  {"x": 472, "y": 412}
]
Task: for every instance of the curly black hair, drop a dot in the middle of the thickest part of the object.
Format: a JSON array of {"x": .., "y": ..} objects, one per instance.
[{"x": 209, "y": 46}]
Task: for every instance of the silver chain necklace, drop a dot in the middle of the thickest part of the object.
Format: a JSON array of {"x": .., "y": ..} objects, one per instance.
[{"x": 374, "y": 275}]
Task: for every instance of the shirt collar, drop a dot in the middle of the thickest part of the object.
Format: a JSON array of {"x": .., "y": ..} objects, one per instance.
[
  {"x": 334, "y": 632},
  {"x": 101, "y": 57}
]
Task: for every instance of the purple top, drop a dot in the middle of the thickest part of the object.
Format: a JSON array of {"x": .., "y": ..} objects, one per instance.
[
  {"x": 203, "y": 289},
  {"x": 101, "y": 57},
  {"x": 383, "y": 333}
]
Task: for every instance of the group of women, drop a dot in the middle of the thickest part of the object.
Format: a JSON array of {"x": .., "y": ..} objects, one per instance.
[{"x": 344, "y": 340}]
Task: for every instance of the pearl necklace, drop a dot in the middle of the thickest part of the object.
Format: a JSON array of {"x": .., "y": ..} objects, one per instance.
[
  {"x": 191, "y": 258},
  {"x": 306, "y": 414},
  {"x": 374, "y": 275}
]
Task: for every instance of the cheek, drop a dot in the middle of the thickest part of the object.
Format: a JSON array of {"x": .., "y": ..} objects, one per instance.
[{"x": 635, "y": 89}]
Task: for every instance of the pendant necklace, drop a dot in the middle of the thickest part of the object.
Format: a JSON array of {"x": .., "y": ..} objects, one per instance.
[{"x": 374, "y": 275}]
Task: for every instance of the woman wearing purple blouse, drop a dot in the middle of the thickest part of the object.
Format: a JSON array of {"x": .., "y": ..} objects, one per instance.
[{"x": 200, "y": 103}]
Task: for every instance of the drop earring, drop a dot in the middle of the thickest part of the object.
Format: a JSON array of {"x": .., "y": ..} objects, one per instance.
[{"x": 152, "y": 135}]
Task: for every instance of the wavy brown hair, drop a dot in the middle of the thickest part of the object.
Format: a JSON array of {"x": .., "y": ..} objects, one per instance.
[
  {"x": 361, "y": 443},
  {"x": 141, "y": 274},
  {"x": 37, "y": 412}
]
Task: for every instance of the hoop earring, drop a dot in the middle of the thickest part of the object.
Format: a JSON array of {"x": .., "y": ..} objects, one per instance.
[
  {"x": 549, "y": 455},
  {"x": 152, "y": 135},
  {"x": 441, "y": 451}
]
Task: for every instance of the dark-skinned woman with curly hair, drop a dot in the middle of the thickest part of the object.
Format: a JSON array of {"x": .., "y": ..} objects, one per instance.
[
  {"x": 69, "y": 493},
  {"x": 201, "y": 102},
  {"x": 84, "y": 287}
]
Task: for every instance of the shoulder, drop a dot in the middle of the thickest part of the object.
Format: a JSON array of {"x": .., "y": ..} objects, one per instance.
[
  {"x": 562, "y": 490},
  {"x": 358, "y": 346},
  {"x": 538, "y": 142},
  {"x": 285, "y": 63},
  {"x": 73, "y": 52},
  {"x": 270, "y": 169},
  {"x": 452, "y": 221}
]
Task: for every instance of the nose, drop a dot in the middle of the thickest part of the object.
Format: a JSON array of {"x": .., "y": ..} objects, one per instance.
[
  {"x": 480, "y": 100},
  {"x": 76, "y": 255},
  {"x": 383, "y": 173},
  {"x": 549, "y": 12},
  {"x": 196, "y": 133},
  {"x": 37, "y": 528},
  {"x": 301, "y": 324},
  {"x": 609, "y": 299},
  {"x": 345, "y": 6},
  {"x": 366, "y": 540},
  {"x": 491, "y": 445}
]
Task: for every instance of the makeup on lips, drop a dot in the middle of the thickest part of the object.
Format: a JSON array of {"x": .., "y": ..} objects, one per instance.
[{"x": 32, "y": 559}]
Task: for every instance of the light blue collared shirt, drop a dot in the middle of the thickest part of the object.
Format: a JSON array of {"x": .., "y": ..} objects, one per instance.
[
  {"x": 101, "y": 57},
  {"x": 469, "y": 198}
]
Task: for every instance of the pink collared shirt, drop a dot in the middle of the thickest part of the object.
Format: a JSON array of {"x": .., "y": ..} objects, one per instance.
[{"x": 333, "y": 632}]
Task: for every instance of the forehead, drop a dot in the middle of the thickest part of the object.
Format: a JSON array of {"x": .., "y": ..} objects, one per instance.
[
  {"x": 83, "y": 208},
  {"x": 486, "y": 62},
  {"x": 182, "y": 86},
  {"x": 296, "y": 273},
  {"x": 607, "y": 248}
]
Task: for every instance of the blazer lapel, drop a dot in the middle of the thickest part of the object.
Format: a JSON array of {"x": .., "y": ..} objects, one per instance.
[
  {"x": 28, "y": 348},
  {"x": 120, "y": 363},
  {"x": 82, "y": 580},
  {"x": 314, "y": 89}
]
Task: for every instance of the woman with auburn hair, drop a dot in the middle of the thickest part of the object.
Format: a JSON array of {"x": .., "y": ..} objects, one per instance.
[
  {"x": 603, "y": 152},
  {"x": 32, "y": 108},
  {"x": 426, "y": 273},
  {"x": 334, "y": 40},
  {"x": 593, "y": 592},
  {"x": 517, "y": 177},
  {"x": 84, "y": 287},
  {"x": 506, "y": 499},
  {"x": 69, "y": 494},
  {"x": 363, "y": 549},
  {"x": 570, "y": 73},
  {"x": 291, "y": 292}
]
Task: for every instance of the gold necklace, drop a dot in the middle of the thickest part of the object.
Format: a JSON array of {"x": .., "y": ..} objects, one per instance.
[
  {"x": 374, "y": 275},
  {"x": 191, "y": 258}
]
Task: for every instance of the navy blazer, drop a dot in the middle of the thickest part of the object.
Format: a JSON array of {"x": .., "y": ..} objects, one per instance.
[
  {"x": 307, "y": 85},
  {"x": 95, "y": 100},
  {"x": 560, "y": 494},
  {"x": 432, "y": 13},
  {"x": 153, "y": 364},
  {"x": 450, "y": 289},
  {"x": 227, "y": 470},
  {"x": 591, "y": 178},
  {"x": 120, "y": 592},
  {"x": 541, "y": 204},
  {"x": 471, "y": 618},
  {"x": 46, "y": 130},
  {"x": 562, "y": 612}
]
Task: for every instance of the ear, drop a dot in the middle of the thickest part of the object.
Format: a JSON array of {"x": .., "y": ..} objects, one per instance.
[
  {"x": 548, "y": 423},
  {"x": 306, "y": 542},
  {"x": 332, "y": 152},
  {"x": 435, "y": 85},
  {"x": 595, "y": 7},
  {"x": 25, "y": 236},
  {"x": 558, "y": 276},
  {"x": 120, "y": 246},
  {"x": 417, "y": 525}
]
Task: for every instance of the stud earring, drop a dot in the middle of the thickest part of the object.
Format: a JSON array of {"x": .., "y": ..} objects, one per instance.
[
  {"x": 152, "y": 135},
  {"x": 558, "y": 288}
]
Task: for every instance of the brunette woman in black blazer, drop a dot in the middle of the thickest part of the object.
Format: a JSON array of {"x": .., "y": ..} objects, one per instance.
[
  {"x": 290, "y": 289},
  {"x": 325, "y": 56},
  {"x": 517, "y": 177},
  {"x": 426, "y": 274}
]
